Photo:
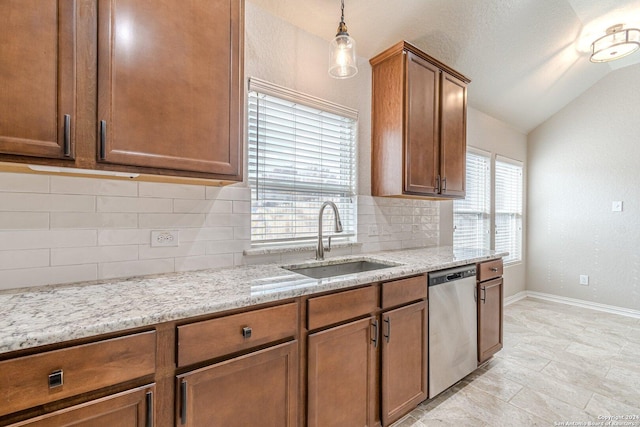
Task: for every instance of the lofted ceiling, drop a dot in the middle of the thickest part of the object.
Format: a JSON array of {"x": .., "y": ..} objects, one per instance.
[{"x": 526, "y": 58}]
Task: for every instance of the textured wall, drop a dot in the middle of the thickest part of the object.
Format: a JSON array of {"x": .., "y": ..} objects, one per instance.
[{"x": 581, "y": 160}]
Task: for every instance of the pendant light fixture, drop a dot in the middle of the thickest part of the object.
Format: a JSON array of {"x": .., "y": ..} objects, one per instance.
[
  {"x": 617, "y": 43},
  {"x": 342, "y": 64}
]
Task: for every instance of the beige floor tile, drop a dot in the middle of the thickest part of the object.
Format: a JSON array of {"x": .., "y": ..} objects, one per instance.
[
  {"x": 496, "y": 385},
  {"x": 601, "y": 406},
  {"x": 549, "y": 408},
  {"x": 576, "y": 374},
  {"x": 523, "y": 357}
]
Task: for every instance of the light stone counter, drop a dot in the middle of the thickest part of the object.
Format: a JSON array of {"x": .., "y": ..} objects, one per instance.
[{"x": 38, "y": 316}]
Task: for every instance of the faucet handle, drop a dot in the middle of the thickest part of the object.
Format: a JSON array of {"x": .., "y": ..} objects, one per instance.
[{"x": 329, "y": 243}]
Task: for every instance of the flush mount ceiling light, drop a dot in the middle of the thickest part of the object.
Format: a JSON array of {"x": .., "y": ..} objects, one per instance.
[
  {"x": 616, "y": 44},
  {"x": 342, "y": 63}
]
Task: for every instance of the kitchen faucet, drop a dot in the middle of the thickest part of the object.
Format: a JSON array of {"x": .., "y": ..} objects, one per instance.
[{"x": 337, "y": 226}]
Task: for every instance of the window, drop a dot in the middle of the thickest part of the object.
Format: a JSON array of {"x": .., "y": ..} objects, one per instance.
[
  {"x": 476, "y": 218},
  {"x": 471, "y": 216},
  {"x": 301, "y": 154},
  {"x": 509, "y": 208}
]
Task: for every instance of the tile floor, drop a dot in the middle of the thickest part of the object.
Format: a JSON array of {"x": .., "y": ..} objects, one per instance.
[{"x": 560, "y": 365}]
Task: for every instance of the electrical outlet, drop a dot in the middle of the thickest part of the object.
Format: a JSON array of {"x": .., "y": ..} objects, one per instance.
[
  {"x": 616, "y": 206},
  {"x": 584, "y": 280},
  {"x": 165, "y": 238}
]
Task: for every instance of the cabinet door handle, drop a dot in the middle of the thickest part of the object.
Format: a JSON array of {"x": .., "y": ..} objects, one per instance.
[
  {"x": 183, "y": 400},
  {"x": 484, "y": 295},
  {"x": 388, "y": 335},
  {"x": 149, "y": 422},
  {"x": 375, "y": 333},
  {"x": 438, "y": 184},
  {"x": 444, "y": 184},
  {"x": 67, "y": 135},
  {"x": 103, "y": 139}
]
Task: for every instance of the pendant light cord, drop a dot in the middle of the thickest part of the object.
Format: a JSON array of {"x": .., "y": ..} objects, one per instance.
[{"x": 342, "y": 11}]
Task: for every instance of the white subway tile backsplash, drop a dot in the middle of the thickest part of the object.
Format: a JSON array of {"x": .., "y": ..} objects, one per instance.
[
  {"x": 23, "y": 183},
  {"x": 204, "y": 262},
  {"x": 24, "y": 220},
  {"x": 93, "y": 255},
  {"x": 36, "y": 202},
  {"x": 92, "y": 186},
  {"x": 47, "y": 276},
  {"x": 56, "y": 229},
  {"x": 124, "y": 237},
  {"x": 15, "y": 259},
  {"x": 171, "y": 191},
  {"x": 110, "y": 270},
  {"x": 170, "y": 220},
  {"x": 12, "y": 240},
  {"x": 133, "y": 204},
  {"x": 184, "y": 250},
  {"x": 94, "y": 220}
]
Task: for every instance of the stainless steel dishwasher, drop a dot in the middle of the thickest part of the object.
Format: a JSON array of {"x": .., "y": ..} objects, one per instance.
[{"x": 452, "y": 327}]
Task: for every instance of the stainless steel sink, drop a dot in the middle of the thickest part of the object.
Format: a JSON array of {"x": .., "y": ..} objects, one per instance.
[{"x": 341, "y": 269}]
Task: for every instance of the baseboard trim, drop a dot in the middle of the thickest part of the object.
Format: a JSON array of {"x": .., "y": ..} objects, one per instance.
[
  {"x": 573, "y": 301},
  {"x": 513, "y": 298}
]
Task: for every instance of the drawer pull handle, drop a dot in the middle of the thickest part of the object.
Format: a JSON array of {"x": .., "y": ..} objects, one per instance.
[
  {"x": 56, "y": 379},
  {"x": 246, "y": 332},
  {"x": 494, "y": 269}
]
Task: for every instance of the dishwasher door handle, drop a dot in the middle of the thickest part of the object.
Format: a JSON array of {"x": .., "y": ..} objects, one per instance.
[{"x": 454, "y": 276}]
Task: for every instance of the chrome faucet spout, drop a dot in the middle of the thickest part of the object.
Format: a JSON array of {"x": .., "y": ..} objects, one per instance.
[{"x": 337, "y": 227}]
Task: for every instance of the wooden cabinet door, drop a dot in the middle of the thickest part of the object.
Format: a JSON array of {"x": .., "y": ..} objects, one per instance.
[
  {"x": 258, "y": 389},
  {"x": 404, "y": 360},
  {"x": 489, "y": 318},
  {"x": 341, "y": 377},
  {"x": 453, "y": 136},
  {"x": 169, "y": 84},
  {"x": 422, "y": 150},
  {"x": 133, "y": 408},
  {"x": 37, "y": 77}
]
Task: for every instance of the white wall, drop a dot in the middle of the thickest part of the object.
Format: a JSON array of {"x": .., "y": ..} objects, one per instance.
[
  {"x": 580, "y": 160},
  {"x": 493, "y": 136}
]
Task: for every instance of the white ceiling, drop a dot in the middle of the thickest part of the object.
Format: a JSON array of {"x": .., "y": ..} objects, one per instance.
[{"x": 526, "y": 58}]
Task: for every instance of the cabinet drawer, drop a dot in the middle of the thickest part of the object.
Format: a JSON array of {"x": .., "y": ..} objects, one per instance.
[
  {"x": 341, "y": 306},
  {"x": 41, "y": 378},
  {"x": 403, "y": 291},
  {"x": 209, "y": 339},
  {"x": 490, "y": 270}
]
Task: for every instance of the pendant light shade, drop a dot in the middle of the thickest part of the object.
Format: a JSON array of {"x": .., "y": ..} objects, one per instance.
[
  {"x": 616, "y": 44},
  {"x": 342, "y": 61}
]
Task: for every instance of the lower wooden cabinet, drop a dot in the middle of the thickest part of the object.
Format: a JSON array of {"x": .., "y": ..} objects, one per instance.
[
  {"x": 257, "y": 389},
  {"x": 404, "y": 360},
  {"x": 340, "y": 375},
  {"x": 133, "y": 408},
  {"x": 489, "y": 318}
]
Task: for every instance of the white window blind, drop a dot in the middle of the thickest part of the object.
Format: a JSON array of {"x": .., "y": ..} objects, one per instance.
[
  {"x": 508, "y": 210},
  {"x": 301, "y": 154},
  {"x": 471, "y": 223}
]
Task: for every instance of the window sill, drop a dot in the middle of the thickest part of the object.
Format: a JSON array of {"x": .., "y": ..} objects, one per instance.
[{"x": 307, "y": 247}]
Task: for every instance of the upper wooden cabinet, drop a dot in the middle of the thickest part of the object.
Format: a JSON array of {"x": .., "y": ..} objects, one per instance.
[
  {"x": 169, "y": 84},
  {"x": 135, "y": 86},
  {"x": 37, "y": 78},
  {"x": 418, "y": 125}
]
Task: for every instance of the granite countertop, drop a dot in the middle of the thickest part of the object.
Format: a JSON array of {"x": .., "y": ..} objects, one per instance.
[{"x": 38, "y": 316}]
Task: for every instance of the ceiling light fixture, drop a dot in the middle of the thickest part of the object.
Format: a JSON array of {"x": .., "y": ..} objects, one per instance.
[
  {"x": 617, "y": 43},
  {"x": 342, "y": 64}
]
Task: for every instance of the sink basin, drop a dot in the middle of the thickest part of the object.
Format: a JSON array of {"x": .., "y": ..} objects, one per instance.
[{"x": 332, "y": 270}]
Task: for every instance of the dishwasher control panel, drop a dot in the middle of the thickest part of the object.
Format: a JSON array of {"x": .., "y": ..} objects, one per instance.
[{"x": 451, "y": 274}]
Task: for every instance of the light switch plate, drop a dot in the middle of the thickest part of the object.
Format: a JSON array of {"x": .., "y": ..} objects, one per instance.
[
  {"x": 584, "y": 280},
  {"x": 616, "y": 206}
]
